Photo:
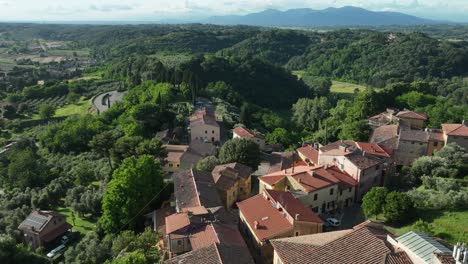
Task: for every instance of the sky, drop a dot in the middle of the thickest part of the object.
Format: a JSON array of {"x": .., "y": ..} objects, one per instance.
[{"x": 157, "y": 10}]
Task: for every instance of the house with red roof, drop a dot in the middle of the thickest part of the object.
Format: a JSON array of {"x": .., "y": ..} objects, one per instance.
[
  {"x": 456, "y": 133},
  {"x": 274, "y": 214},
  {"x": 243, "y": 132},
  {"x": 322, "y": 188},
  {"x": 233, "y": 182},
  {"x": 366, "y": 163}
]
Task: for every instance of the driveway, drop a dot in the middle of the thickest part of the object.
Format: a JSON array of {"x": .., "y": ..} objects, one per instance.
[
  {"x": 104, "y": 101},
  {"x": 349, "y": 217}
]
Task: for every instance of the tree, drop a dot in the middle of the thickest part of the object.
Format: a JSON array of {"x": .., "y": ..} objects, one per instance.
[
  {"x": 319, "y": 86},
  {"x": 374, "y": 201},
  {"x": 281, "y": 136},
  {"x": 423, "y": 226},
  {"x": 207, "y": 164},
  {"x": 307, "y": 113},
  {"x": 102, "y": 144},
  {"x": 89, "y": 250},
  {"x": 46, "y": 111},
  {"x": 356, "y": 130},
  {"x": 26, "y": 169},
  {"x": 134, "y": 184},
  {"x": 10, "y": 252},
  {"x": 243, "y": 150},
  {"x": 399, "y": 208}
]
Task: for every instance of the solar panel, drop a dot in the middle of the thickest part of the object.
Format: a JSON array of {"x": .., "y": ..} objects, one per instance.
[{"x": 35, "y": 221}]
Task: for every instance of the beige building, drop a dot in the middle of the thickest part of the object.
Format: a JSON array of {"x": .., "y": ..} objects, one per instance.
[
  {"x": 174, "y": 157},
  {"x": 242, "y": 132},
  {"x": 411, "y": 119},
  {"x": 274, "y": 214},
  {"x": 456, "y": 133},
  {"x": 233, "y": 182},
  {"x": 364, "y": 162},
  {"x": 321, "y": 188},
  {"x": 203, "y": 126}
]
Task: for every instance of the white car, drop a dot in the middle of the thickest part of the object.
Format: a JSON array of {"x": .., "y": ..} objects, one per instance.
[
  {"x": 56, "y": 251},
  {"x": 333, "y": 221}
]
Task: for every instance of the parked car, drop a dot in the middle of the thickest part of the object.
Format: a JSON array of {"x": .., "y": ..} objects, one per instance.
[
  {"x": 333, "y": 222},
  {"x": 56, "y": 251},
  {"x": 64, "y": 240}
]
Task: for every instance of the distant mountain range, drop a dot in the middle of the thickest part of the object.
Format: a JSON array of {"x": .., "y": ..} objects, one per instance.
[{"x": 345, "y": 16}]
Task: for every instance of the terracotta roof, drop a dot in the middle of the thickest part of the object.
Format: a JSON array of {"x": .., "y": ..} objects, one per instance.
[
  {"x": 436, "y": 136},
  {"x": 384, "y": 134},
  {"x": 361, "y": 161},
  {"x": 365, "y": 244},
  {"x": 203, "y": 237},
  {"x": 445, "y": 258},
  {"x": 246, "y": 133},
  {"x": 455, "y": 129},
  {"x": 58, "y": 231},
  {"x": 174, "y": 156},
  {"x": 412, "y": 115},
  {"x": 339, "y": 148},
  {"x": 294, "y": 207},
  {"x": 372, "y": 149},
  {"x": 226, "y": 175},
  {"x": 270, "y": 221},
  {"x": 398, "y": 258},
  {"x": 215, "y": 254},
  {"x": 160, "y": 217},
  {"x": 176, "y": 222},
  {"x": 198, "y": 210},
  {"x": 310, "y": 153},
  {"x": 203, "y": 117},
  {"x": 194, "y": 188},
  {"x": 312, "y": 178},
  {"x": 414, "y": 135}
]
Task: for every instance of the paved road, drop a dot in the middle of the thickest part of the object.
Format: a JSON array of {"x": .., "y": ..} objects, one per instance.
[{"x": 113, "y": 96}]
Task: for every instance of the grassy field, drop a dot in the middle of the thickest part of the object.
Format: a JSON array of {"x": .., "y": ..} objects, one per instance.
[
  {"x": 79, "y": 108},
  {"x": 82, "y": 225},
  {"x": 345, "y": 88},
  {"x": 451, "y": 226},
  {"x": 64, "y": 52}
]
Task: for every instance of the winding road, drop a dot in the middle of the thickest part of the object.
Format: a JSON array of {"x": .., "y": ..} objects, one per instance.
[{"x": 102, "y": 101}]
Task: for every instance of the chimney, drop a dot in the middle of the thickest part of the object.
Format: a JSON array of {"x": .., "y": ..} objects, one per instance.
[
  {"x": 297, "y": 217},
  {"x": 463, "y": 123},
  {"x": 299, "y": 180},
  {"x": 363, "y": 153},
  {"x": 312, "y": 173},
  {"x": 256, "y": 224}
]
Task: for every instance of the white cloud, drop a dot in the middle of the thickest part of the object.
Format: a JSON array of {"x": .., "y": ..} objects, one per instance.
[{"x": 138, "y": 9}]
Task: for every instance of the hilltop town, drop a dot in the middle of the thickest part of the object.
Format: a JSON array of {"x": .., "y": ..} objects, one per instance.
[{"x": 231, "y": 144}]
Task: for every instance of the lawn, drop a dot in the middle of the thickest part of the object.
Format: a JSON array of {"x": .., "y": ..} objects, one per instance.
[
  {"x": 345, "y": 88},
  {"x": 451, "y": 226},
  {"x": 80, "y": 108},
  {"x": 82, "y": 225}
]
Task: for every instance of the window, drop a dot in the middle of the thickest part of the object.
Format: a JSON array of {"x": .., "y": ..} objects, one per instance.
[
  {"x": 297, "y": 233},
  {"x": 315, "y": 197},
  {"x": 315, "y": 209},
  {"x": 179, "y": 242},
  {"x": 178, "y": 165},
  {"x": 212, "y": 132},
  {"x": 377, "y": 167},
  {"x": 341, "y": 192},
  {"x": 350, "y": 189},
  {"x": 331, "y": 191},
  {"x": 436, "y": 144},
  {"x": 206, "y": 132}
]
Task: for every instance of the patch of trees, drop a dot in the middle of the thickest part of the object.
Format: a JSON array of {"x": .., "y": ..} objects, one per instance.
[
  {"x": 243, "y": 150},
  {"x": 275, "y": 46},
  {"x": 396, "y": 207},
  {"x": 373, "y": 58}
]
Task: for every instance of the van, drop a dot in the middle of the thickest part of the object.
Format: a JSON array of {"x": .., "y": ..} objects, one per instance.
[{"x": 56, "y": 251}]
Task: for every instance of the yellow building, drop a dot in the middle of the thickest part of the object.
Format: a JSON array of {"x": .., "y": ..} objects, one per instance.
[{"x": 233, "y": 182}]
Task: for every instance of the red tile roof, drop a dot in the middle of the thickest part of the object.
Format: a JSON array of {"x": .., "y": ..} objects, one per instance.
[
  {"x": 310, "y": 153},
  {"x": 294, "y": 207},
  {"x": 270, "y": 221},
  {"x": 176, "y": 222},
  {"x": 364, "y": 244},
  {"x": 174, "y": 156},
  {"x": 455, "y": 129},
  {"x": 412, "y": 115},
  {"x": 262, "y": 209},
  {"x": 245, "y": 133},
  {"x": 312, "y": 178},
  {"x": 203, "y": 237},
  {"x": 372, "y": 149}
]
